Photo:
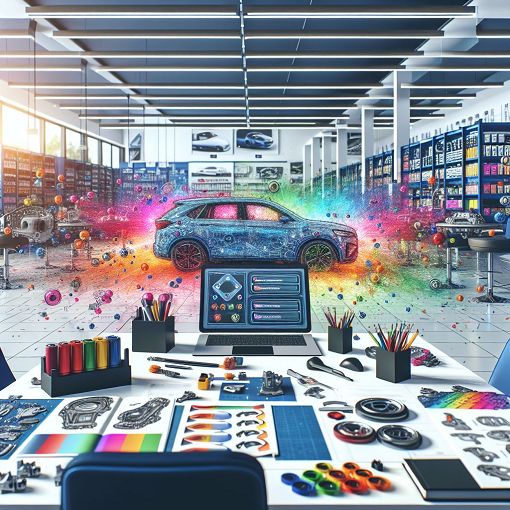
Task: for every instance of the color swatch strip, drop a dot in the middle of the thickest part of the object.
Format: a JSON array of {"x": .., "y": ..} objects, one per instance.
[
  {"x": 126, "y": 443},
  {"x": 61, "y": 444}
]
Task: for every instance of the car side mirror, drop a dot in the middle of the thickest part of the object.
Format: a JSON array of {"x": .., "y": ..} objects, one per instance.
[{"x": 284, "y": 219}]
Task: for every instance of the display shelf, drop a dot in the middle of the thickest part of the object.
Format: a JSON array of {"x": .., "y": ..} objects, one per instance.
[
  {"x": 379, "y": 169},
  {"x": 350, "y": 178},
  {"x": 37, "y": 192},
  {"x": 70, "y": 176},
  {"x": 24, "y": 176},
  {"x": 49, "y": 180},
  {"x": 8, "y": 180}
]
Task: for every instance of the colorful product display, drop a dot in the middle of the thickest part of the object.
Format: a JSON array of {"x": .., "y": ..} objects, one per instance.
[{"x": 463, "y": 398}]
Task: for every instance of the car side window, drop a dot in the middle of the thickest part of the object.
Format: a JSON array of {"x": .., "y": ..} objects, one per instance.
[
  {"x": 259, "y": 212},
  {"x": 221, "y": 212},
  {"x": 195, "y": 213}
]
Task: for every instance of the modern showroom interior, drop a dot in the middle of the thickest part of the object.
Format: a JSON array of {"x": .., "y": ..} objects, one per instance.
[{"x": 228, "y": 229}]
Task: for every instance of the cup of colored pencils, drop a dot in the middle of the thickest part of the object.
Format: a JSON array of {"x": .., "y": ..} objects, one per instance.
[
  {"x": 153, "y": 328},
  {"x": 393, "y": 357},
  {"x": 339, "y": 330}
]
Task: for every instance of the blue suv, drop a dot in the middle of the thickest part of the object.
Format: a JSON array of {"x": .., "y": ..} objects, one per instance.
[{"x": 196, "y": 231}]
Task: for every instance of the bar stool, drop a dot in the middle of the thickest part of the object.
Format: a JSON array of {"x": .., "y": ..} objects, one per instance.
[
  {"x": 491, "y": 245},
  {"x": 8, "y": 243}
]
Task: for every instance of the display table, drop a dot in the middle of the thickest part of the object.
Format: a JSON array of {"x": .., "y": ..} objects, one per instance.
[{"x": 42, "y": 493}]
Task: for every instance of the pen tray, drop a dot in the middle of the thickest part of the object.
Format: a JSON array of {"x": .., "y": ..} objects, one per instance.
[
  {"x": 157, "y": 336},
  {"x": 56, "y": 385}
]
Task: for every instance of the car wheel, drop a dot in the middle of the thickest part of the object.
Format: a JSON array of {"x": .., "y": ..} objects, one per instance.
[
  {"x": 318, "y": 256},
  {"x": 188, "y": 256}
]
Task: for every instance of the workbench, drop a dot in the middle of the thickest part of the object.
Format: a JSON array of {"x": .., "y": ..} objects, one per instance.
[{"x": 42, "y": 493}]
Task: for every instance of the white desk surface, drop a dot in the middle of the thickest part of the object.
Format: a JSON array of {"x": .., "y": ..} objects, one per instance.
[{"x": 42, "y": 493}]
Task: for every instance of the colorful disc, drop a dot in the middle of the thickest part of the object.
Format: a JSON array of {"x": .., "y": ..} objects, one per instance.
[
  {"x": 336, "y": 475},
  {"x": 354, "y": 432},
  {"x": 303, "y": 488},
  {"x": 312, "y": 475},
  {"x": 355, "y": 486},
  {"x": 336, "y": 415},
  {"x": 378, "y": 483},
  {"x": 290, "y": 478},
  {"x": 323, "y": 467},
  {"x": 327, "y": 487},
  {"x": 363, "y": 473}
]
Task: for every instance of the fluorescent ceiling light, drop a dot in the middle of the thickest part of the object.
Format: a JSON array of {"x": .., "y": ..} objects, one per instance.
[
  {"x": 187, "y": 86},
  {"x": 91, "y": 97},
  {"x": 212, "y": 69},
  {"x": 356, "y": 12},
  {"x": 132, "y": 11},
  {"x": 301, "y": 125},
  {"x": 444, "y": 98},
  {"x": 41, "y": 68},
  {"x": 492, "y": 34},
  {"x": 221, "y": 117},
  {"x": 16, "y": 34},
  {"x": 153, "y": 107},
  {"x": 453, "y": 69},
  {"x": 334, "y": 55},
  {"x": 315, "y": 107},
  {"x": 373, "y": 34},
  {"x": 459, "y": 86},
  {"x": 413, "y": 107},
  {"x": 144, "y": 34},
  {"x": 232, "y": 34},
  {"x": 122, "y": 55}
]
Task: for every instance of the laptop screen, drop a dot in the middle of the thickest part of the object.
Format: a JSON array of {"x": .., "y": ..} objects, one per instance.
[{"x": 261, "y": 298}]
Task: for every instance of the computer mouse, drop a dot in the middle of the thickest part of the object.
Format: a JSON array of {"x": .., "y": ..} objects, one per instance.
[{"x": 353, "y": 364}]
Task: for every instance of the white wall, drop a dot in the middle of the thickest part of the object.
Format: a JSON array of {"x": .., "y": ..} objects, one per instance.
[
  {"x": 492, "y": 101},
  {"x": 174, "y": 144}
]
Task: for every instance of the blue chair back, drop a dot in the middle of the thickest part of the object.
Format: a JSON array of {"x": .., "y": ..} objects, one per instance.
[
  {"x": 6, "y": 376},
  {"x": 500, "y": 377},
  {"x": 160, "y": 481},
  {"x": 507, "y": 230}
]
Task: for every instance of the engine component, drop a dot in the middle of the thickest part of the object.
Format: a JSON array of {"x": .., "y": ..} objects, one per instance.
[
  {"x": 499, "y": 435},
  {"x": 188, "y": 395},
  {"x": 354, "y": 432},
  {"x": 493, "y": 421},
  {"x": 468, "y": 436},
  {"x": 83, "y": 413},
  {"x": 271, "y": 384},
  {"x": 482, "y": 453},
  {"x": 12, "y": 483},
  {"x": 144, "y": 415},
  {"x": 399, "y": 436},
  {"x": 501, "y": 472},
  {"x": 456, "y": 423},
  {"x": 28, "y": 470},
  {"x": 381, "y": 409}
]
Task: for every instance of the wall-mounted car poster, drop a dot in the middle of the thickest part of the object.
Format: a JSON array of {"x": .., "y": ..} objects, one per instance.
[
  {"x": 212, "y": 140},
  {"x": 211, "y": 176},
  {"x": 252, "y": 141}
]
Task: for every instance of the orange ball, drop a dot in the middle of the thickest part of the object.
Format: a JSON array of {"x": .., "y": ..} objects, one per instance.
[
  {"x": 78, "y": 244},
  {"x": 431, "y": 180},
  {"x": 84, "y": 235},
  {"x": 144, "y": 267},
  {"x": 7, "y": 231},
  {"x": 460, "y": 297},
  {"x": 492, "y": 233},
  {"x": 375, "y": 278},
  {"x": 39, "y": 174},
  {"x": 379, "y": 269},
  {"x": 61, "y": 178},
  {"x": 354, "y": 302},
  {"x": 58, "y": 199},
  {"x": 425, "y": 259},
  {"x": 480, "y": 288}
]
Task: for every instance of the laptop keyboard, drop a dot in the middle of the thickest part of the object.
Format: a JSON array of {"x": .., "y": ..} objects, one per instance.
[{"x": 276, "y": 340}]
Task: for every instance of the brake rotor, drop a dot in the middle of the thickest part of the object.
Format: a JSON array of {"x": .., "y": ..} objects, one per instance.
[
  {"x": 354, "y": 432},
  {"x": 399, "y": 436},
  {"x": 381, "y": 409}
]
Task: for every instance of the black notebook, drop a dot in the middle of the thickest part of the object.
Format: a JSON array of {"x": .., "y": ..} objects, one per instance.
[{"x": 449, "y": 480}]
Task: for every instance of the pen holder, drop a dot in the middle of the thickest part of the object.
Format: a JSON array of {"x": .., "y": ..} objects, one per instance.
[
  {"x": 157, "y": 336},
  {"x": 393, "y": 366},
  {"x": 340, "y": 340}
]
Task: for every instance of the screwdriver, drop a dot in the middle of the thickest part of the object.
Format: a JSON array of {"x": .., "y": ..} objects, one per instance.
[
  {"x": 316, "y": 363},
  {"x": 306, "y": 380}
]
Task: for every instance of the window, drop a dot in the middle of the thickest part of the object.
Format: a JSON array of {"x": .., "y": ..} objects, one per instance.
[
  {"x": 20, "y": 130},
  {"x": 197, "y": 212},
  {"x": 73, "y": 144},
  {"x": 115, "y": 156},
  {"x": 221, "y": 212},
  {"x": 106, "y": 154},
  {"x": 262, "y": 213},
  {"x": 93, "y": 150},
  {"x": 52, "y": 139}
]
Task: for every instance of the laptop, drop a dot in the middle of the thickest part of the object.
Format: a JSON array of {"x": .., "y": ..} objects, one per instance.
[{"x": 255, "y": 310}]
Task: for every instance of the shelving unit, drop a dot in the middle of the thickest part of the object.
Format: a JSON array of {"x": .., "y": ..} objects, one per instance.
[
  {"x": 49, "y": 180},
  {"x": 8, "y": 180},
  {"x": 466, "y": 164},
  {"x": 350, "y": 178},
  {"x": 380, "y": 170}
]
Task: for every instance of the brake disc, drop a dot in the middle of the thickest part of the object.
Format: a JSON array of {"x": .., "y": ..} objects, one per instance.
[
  {"x": 354, "y": 432},
  {"x": 399, "y": 436},
  {"x": 381, "y": 409}
]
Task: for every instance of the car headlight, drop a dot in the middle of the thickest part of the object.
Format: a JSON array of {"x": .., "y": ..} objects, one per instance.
[{"x": 343, "y": 233}]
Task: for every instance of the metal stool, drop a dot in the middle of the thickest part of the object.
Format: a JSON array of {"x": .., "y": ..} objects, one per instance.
[
  {"x": 8, "y": 243},
  {"x": 491, "y": 245}
]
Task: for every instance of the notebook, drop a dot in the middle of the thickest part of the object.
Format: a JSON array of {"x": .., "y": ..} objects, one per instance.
[{"x": 449, "y": 480}]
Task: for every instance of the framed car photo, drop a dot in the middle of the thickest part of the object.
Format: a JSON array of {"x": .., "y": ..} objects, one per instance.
[
  {"x": 253, "y": 141},
  {"x": 211, "y": 140}
]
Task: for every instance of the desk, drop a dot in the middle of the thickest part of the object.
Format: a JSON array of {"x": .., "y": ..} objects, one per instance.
[
  {"x": 44, "y": 495},
  {"x": 436, "y": 284}
]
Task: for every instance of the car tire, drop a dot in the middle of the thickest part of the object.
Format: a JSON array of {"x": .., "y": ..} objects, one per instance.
[
  {"x": 318, "y": 255},
  {"x": 188, "y": 256}
]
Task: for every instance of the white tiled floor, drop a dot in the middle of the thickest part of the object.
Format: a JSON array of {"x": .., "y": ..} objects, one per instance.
[{"x": 472, "y": 333}]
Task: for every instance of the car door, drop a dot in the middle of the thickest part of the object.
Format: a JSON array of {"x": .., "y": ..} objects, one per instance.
[
  {"x": 220, "y": 229},
  {"x": 271, "y": 234}
]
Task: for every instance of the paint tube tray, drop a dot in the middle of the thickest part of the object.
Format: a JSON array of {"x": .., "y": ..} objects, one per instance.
[{"x": 56, "y": 385}]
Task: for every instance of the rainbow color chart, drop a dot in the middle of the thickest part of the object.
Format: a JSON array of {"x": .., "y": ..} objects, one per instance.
[
  {"x": 74, "y": 444},
  {"x": 61, "y": 444},
  {"x": 129, "y": 443}
]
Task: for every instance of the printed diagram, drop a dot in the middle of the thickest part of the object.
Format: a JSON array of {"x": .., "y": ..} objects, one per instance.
[
  {"x": 83, "y": 413},
  {"x": 143, "y": 415}
]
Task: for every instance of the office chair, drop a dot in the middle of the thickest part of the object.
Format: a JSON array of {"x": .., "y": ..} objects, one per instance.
[
  {"x": 500, "y": 377},
  {"x": 491, "y": 245},
  {"x": 152, "y": 481},
  {"x": 6, "y": 375}
]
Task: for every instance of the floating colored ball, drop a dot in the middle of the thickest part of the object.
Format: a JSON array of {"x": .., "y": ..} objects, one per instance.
[
  {"x": 27, "y": 202},
  {"x": 438, "y": 238},
  {"x": 491, "y": 233},
  {"x": 7, "y": 231},
  {"x": 39, "y": 173},
  {"x": 73, "y": 199},
  {"x": 459, "y": 298},
  {"x": 40, "y": 252},
  {"x": 52, "y": 297},
  {"x": 480, "y": 288},
  {"x": 431, "y": 181},
  {"x": 58, "y": 199},
  {"x": 78, "y": 244},
  {"x": 91, "y": 194},
  {"x": 500, "y": 217},
  {"x": 403, "y": 189},
  {"x": 119, "y": 181},
  {"x": 375, "y": 278},
  {"x": 84, "y": 235}
]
